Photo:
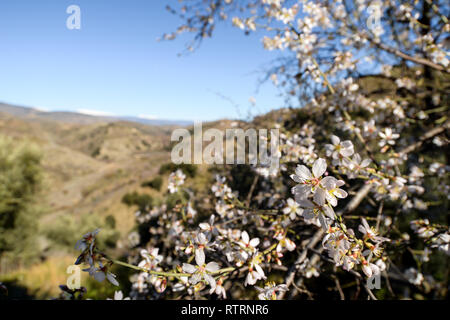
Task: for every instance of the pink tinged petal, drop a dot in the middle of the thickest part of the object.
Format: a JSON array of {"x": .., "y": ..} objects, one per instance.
[
  {"x": 212, "y": 267},
  {"x": 245, "y": 237},
  {"x": 319, "y": 196},
  {"x": 188, "y": 268},
  {"x": 303, "y": 172},
  {"x": 290, "y": 245},
  {"x": 319, "y": 167},
  {"x": 200, "y": 257},
  {"x": 254, "y": 242},
  {"x": 335, "y": 140}
]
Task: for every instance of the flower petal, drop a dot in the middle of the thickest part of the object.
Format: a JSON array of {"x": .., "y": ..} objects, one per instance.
[
  {"x": 188, "y": 268},
  {"x": 303, "y": 172},
  {"x": 200, "y": 257},
  {"x": 212, "y": 267},
  {"x": 245, "y": 237},
  {"x": 319, "y": 167}
]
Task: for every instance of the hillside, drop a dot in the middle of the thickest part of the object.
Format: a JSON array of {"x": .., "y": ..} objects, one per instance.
[{"x": 89, "y": 162}]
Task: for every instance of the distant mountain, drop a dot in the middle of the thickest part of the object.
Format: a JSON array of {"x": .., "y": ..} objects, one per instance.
[
  {"x": 157, "y": 122},
  {"x": 81, "y": 118}
]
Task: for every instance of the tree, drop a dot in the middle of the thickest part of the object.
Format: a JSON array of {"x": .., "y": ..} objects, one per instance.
[
  {"x": 20, "y": 180},
  {"x": 362, "y": 187}
]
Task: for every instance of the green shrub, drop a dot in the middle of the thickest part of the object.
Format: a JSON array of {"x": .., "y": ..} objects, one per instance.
[
  {"x": 156, "y": 183},
  {"x": 20, "y": 181},
  {"x": 65, "y": 231},
  {"x": 142, "y": 201}
]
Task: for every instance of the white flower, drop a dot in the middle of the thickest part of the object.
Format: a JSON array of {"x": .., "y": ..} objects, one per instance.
[
  {"x": 414, "y": 276},
  {"x": 284, "y": 243},
  {"x": 255, "y": 272},
  {"x": 369, "y": 232},
  {"x": 309, "y": 182},
  {"x": 176, "y": 179},
  {"x": 118, "y": 295},
  {"x": 201, "y": 271},
  {"x": 320, "y": 211},
  {"x": 332, "y": 191},
  {"x": 339, "y": 149},
  {"x": 292, "y": 209},
  {"x": 219, "y": 289},
  {"x": 247, "y": 243},
  {"x": 388, "y": 137},
  {"x": 269, "y": 292},
  {"x": 370, "y": 269},
  {"x": 356, "y": 165},
  {"x": 311, "y": 272},
  {"x": 151, "y": 259},
  {"x": 209, "y": 226}
]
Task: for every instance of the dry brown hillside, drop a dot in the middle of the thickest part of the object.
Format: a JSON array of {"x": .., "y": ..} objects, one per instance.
[{"x": 90, "y": 166}]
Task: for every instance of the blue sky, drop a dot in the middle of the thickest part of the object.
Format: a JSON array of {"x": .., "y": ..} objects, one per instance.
[{"x": 114, "y": 64}]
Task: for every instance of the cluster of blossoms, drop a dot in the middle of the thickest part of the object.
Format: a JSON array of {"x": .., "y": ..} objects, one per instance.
[
  {"x": 176, "y": 180},
  {"x": 94, "y": 258},
  {"x": 347, "y": 250},
  {"x": 323, "y": 190},
  {"x": 436, "y": 236}
]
